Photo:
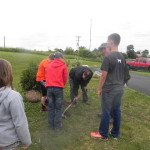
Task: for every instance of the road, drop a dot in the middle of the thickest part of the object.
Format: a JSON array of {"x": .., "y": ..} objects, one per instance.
[{"x": 137, "y": 82}]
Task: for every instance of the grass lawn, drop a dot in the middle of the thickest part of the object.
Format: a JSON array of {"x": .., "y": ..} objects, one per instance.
[
  {"x": 141, "y": 72},
  {"x": 75, "y": 135}
]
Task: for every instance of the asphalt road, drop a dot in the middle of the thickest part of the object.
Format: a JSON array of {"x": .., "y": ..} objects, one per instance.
[
  {"x": 140, "y": 83},
  {"x": 137, "y": 82}
]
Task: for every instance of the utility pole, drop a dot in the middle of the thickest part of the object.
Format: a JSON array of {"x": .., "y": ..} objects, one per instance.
[
  {"x": 4, "y": 41},
  {"x": 90, "y": 35},
  {"x": 78, "y": 40}
]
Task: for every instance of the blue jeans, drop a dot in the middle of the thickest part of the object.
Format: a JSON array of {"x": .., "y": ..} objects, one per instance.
[
  {"x": 111, "y": 102},
  {"x": 55, "y": 101}
]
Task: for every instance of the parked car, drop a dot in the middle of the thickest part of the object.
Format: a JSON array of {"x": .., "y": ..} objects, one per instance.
[{"x": 139, "y": 64}]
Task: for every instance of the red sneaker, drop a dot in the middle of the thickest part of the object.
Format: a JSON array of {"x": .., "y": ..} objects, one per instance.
[{"x": 97, "y": 135}]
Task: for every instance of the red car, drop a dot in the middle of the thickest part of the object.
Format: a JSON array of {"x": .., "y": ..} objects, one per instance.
[{"x": 139, "y": 63}]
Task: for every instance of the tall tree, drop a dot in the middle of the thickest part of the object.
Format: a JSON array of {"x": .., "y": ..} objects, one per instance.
[
  {"x": 130, "y": 47},
  {"x": 69, "y": 51},
  {"x": 130, "y": 52},
  {"x": 145, "y": 52},
  {"x": 58, "y": 50},
  {"x": 138, "y": 52}
]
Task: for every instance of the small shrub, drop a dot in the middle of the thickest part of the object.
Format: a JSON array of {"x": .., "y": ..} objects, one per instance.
[
  {"x": 28, "y": 78},
  {"x": 67, "y": 62},
  {"x": 76, "y": 63}
]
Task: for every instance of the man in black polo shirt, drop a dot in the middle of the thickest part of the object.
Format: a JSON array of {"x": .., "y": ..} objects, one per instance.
[{"x": 111, "y": 87}]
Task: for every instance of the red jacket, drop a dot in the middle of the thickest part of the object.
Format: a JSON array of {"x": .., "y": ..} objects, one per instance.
[{"x": 56, "y": 74}]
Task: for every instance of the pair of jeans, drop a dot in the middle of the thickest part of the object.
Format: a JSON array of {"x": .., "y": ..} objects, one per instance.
[
  {"x": 55, "y": 102},
  {"x": 111, "y": 102},
  {"x": 74, "y": 87}
]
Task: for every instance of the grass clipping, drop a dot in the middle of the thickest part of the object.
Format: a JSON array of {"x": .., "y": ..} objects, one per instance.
[{"x": 33, "y": 96}]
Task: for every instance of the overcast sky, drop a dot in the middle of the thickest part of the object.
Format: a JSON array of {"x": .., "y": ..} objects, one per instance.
[{"x": 49, "y": 24}]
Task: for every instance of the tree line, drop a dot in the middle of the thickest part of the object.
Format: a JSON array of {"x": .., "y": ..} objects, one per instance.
[
  {"x": 82, "y": 52},
  {"x": 132, "y": 54}
]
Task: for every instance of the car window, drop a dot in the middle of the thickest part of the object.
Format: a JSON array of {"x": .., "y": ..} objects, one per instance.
[
  {"x": 142, "y": 60},
  {"x": 136, "y": 60},
  {"x": 148, "y": 59}
]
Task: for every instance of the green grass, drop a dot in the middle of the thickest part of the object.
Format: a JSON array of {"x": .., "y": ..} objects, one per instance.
[
  {"x": 135, "y": 129},
  {"x": 75, "y": 135},
  {"x": 141, "y": 72}
]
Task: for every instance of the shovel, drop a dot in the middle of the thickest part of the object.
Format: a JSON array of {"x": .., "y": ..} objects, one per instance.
[{"x": 75, "y": 99}]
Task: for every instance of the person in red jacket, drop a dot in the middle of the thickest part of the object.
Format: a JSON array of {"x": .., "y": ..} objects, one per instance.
[
  {"x": 56, "y": 78},
  {"x": 40, "y": 79}
]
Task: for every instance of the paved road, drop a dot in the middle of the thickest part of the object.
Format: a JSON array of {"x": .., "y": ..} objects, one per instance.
[
  {"x": 137, "y": 82},
  {"x": 95, "y": 69},
  {"x": 140, "y": 83}
]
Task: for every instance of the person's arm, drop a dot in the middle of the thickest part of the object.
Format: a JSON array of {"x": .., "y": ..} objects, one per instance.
[
  {"x": 104, "y": 68},
  {"x": 65, "y": 75},
  {"x": 40, "y": 72},
  {"x": 20, "y": 120},
  {"x": 101, "y": 82}
]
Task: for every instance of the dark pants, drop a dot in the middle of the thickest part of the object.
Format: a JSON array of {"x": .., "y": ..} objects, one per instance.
[
  {"x": 44, "y": 94},
  {"x": 55, "y": 101},
  {"x": 111, "y": 102},
  {"x": 74, "y": 87}
]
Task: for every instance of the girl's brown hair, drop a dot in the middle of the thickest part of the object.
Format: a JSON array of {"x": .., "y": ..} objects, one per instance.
[{"x": 6, "y": 77}]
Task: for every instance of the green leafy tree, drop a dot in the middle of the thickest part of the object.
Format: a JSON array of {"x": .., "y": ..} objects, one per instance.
[
  {"x": 130, "y": 52},
  {"x": 145, "y": 53},
  {"x": 138, "y": 52},
  {"x": 69, "y": 51},
  {"x": 83, "y": 52},
  {"x": 58, "y": 50}
]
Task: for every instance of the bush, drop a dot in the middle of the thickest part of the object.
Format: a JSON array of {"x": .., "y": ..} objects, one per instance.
[
  {"x": 67, "y": 62},
  {"x": 70, "y": 57},
  {"x": 76, "y": 63},
  {"x": 28, "y": 78}
]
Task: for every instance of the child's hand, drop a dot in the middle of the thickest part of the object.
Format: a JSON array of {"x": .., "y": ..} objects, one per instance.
[{"x": 24, "y": 147}]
